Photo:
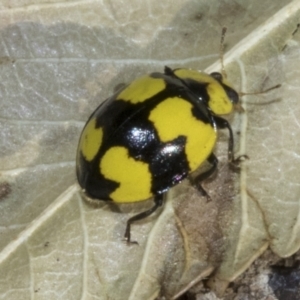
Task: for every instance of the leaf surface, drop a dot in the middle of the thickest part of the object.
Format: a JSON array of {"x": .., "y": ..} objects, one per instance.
[{"x": 59, "y": 61}]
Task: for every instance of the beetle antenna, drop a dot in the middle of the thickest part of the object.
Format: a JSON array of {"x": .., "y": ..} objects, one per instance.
[
  {"x": 223, "y": 72},
  {"x": 261, "y": 92}
]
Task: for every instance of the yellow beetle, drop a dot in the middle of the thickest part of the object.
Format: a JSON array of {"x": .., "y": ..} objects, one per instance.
[{"x": 152, "y": 134}]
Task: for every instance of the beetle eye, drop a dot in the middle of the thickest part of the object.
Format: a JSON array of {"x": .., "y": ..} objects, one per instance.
[
  {"x": 216, "y": 75},
  {"x": 233, "y": 95}
]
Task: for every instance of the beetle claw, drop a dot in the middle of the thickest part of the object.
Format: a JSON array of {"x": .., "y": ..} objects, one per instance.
[{"x": 235, "y": 164}]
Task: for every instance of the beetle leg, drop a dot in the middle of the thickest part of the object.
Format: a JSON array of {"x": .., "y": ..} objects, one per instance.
[
  {"x": 212, "y": 159},
  {"x": 158, "y": 201},
  {"x": 222, "y": 123}
]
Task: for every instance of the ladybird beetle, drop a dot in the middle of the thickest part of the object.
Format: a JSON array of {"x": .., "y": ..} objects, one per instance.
[{"x": 152, "y": 134}]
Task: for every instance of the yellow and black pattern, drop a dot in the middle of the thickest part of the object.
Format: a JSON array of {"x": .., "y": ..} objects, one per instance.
[{"x": 151, "y": 135}]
